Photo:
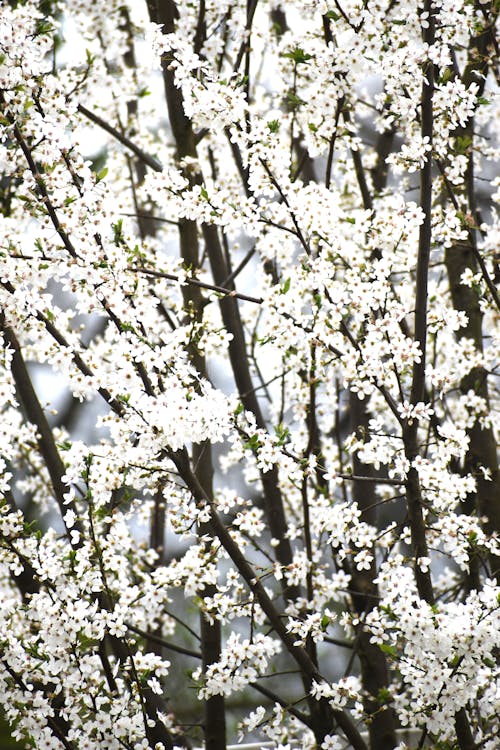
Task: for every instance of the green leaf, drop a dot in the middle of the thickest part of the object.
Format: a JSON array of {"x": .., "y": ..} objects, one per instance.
[
  {"x": 65, "y": 445},
  {"x": 384, "y": 695},
  {"x": 294, "y": 100},
  {"x": 463, "y": 143},
  {"x": 118, "y": 232},
  {"x": 253, "y": 443},
  {"x": 6, "y": 741},
  {"x": 446, "y": 75},
  {"x": 101, "y": 174},
  {"x": 44, "y": 27},
  {"x": 282, "y": 433},
  {"x": 298, "y": 56},
  {"x": 387, "y": 649}
]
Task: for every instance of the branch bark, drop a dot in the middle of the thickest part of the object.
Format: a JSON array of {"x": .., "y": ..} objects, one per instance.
[{"x": 460, "y": 257}]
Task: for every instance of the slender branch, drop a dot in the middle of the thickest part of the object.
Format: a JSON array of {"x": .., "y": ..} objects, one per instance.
[
  {"x": 201, "y": 284},
  {"x": 113, "y": 403},
  {"x": 36, "y": 415},
  {"x": 150, "y": 161},
  {"x": 162, "y": 642},
  {"x": 150, "y": 217},
  {"x": 247, "y": 572},
  {"x": 410, "y": 430},
  {"x": 56, "y": 723},
  {"x": 239, "y": 268},
  {"x": 373, "y": 479},
  {"x": 300, "y": 715},
  {"x": 251, "y": 8}
]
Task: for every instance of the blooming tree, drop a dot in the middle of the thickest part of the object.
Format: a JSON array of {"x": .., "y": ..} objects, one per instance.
[{"x": 267, "y": 310}]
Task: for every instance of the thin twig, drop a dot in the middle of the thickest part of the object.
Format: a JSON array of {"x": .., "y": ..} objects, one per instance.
[
  {"x": 201, "y": 284},
  {"x": 150, "y": 161},
  {"x": 162, "y": 642}
]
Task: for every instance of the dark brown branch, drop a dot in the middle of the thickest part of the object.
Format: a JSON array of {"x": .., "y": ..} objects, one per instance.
[
  {"x": 210, "y": 632},
  {"x": 275, "y": 698},
  {"x": 113, "y": 403},
  {"x": 239, "y": 362},
  {"x": 166, "y": 13},
  {"x": 55, "y": 723},
  {"x": 371, "y": 479},
  {"x": 239, "y": 268},
  {"x": 410, "y": 430},
  {"x": 36, "y": 415},
  {"x": 201, "y": 284},
  {"x": 150, "y": 161},
  {"x": 365, "y": 596},
  {"x": 461, "y": 257},
  {"x": 162, "y": 642},
  {"x": 248, "y": 574}
]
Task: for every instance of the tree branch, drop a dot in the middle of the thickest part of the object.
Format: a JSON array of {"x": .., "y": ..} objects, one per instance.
[{"x": 148, "y": 160}]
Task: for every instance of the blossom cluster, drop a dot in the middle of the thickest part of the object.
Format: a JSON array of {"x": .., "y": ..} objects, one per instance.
[{"x": 249, "y": 373}]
